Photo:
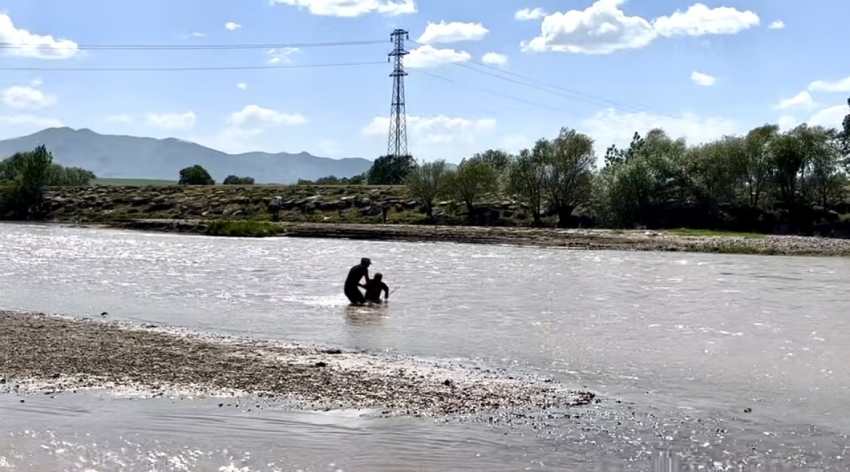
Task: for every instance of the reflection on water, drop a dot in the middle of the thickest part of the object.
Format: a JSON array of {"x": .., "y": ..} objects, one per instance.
[{"x": 680, "y": 335}]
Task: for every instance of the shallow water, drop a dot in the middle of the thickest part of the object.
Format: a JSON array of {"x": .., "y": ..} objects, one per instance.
[{"x": 686, "y": 342}]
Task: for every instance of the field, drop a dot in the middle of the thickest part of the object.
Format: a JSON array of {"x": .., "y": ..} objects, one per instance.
[{"x": 133, "y": 182}]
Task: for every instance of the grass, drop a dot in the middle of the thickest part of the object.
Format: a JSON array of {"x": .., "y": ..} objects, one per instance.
[
  {"x": 133, "y": 182},
  {"x": 242, "y": 228},
  {"x": 710, "y": 233}
]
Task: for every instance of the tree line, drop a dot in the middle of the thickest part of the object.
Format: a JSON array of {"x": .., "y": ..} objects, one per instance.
[
  {"x": 745, "y": 182},
  {"x": 24, "y": 177},
  {"x": 198, "y": 175}
]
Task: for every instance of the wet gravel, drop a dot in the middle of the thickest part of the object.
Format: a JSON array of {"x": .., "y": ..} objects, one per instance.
[{"x": 50, "y": 354}]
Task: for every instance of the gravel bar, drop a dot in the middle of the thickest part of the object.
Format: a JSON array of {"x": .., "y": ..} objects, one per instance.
[{"x": 51, "y": 354}]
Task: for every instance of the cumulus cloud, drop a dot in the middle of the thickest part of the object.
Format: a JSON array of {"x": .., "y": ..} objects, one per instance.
[
  {"x": 615, "y": 127},
  {"x": 438, "y": 137},
  {"x": 837, "y": 86},
  {"x": 29, "y": 120},
  {"x": 352, "y": 8},
  {"x": 703, "y": 79},
  {"x": 26, "y": 97},
  {"x": 455, "y": 31},
  {"x": 242, "y": 86},
  {"x": 604, "y": 28},
  {"x": 830, "y": 117},
  {"x": 171, "y": 121},
  {"x": 231, "y": 26},
  {"x": 787, "y": 122},
  {"x": 254, "y": 120},
  {"x": 21, "y": 42},
  {"x": 427, "y": 56},
  {"x": 778, "y": 24},
  {"x": 529, "y": 14},
  {"x": 802, "y": 100},
  {"x": 494, "y": 58},
  {"x": 281, "y": 55}
]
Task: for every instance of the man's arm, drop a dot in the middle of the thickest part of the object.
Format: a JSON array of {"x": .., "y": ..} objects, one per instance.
[{"x": 386, "y": 292}]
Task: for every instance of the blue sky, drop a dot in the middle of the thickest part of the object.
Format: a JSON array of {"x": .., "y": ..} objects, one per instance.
[{"x": 483, "y": 74}]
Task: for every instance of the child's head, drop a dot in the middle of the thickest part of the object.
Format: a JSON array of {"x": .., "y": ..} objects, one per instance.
[{"x": 378, "y": 276}]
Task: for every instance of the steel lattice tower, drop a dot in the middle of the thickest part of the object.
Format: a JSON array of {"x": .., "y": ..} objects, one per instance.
[{"x": 398, "y": 113}]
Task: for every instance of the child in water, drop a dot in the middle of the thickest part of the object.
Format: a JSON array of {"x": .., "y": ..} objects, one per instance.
[{"x": 374, "y": 288}]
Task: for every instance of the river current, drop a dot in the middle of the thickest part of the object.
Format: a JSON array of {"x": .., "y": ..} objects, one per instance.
[{"x": 705, "y": 362}]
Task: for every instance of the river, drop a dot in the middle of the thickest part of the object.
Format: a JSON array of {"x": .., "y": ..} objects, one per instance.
[{"x": 713, "y": 361}]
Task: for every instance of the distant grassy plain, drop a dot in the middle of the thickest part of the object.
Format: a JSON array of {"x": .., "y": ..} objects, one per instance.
[{"x": 133, "y": 182}]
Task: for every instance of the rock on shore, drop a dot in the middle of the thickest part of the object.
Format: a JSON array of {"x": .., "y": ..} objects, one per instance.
[{"x": 52, "y": 354}]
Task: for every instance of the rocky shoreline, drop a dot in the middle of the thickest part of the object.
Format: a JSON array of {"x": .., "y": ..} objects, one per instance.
[
  {"x": 587, "y": 239},
  {"x": 52, "y": 354}
]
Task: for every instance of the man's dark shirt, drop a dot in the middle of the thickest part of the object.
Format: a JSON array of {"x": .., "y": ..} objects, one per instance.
[{"x": 355, "y": 274}]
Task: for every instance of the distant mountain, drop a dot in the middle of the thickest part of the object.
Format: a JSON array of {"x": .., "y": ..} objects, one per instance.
[{"x": 149, "y": 158}]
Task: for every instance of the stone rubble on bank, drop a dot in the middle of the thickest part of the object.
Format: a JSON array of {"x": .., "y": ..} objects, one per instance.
[{"x": 52, "y": 354}]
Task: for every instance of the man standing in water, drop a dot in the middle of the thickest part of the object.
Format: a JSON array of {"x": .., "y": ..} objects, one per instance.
[{"x": 352, "y": 282}]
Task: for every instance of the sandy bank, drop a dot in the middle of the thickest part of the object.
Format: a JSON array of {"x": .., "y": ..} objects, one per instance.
[
  {"x": 594, "y": 239},
  {"x": 51, "y": 354}
]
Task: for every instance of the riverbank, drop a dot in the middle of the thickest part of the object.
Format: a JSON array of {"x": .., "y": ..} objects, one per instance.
[
  {"x": 51, "y": 354},
  {"x": 588, "y": 239}
]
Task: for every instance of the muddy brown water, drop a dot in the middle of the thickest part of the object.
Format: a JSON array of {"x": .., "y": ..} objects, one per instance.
[{"x": 716, "y": 362}]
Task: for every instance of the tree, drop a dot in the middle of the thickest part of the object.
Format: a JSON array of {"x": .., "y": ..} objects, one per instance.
[
  {"x": 234, "y": 180},
  {"x": 500, "y": 160},
  {"x": 473, "y": 178},
  {"x": 757, "y": 166},
  {"x": 427, "y": 182},
  {"x": 195, "y": 175},
  {"x": 390, "y": 170},
  {"x": 845, "y": 139},
  {"x": 568, "y": 163},
  {"x": 526, "y": 180},
  {"x": 28, "y": 173},
  {"x": 59, "y": 176}
]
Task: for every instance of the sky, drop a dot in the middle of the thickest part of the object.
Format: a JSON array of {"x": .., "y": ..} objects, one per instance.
[{"x": 314, "y": 76}]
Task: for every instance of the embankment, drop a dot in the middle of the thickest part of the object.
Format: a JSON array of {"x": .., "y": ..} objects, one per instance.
[{"x": 354, "y": 212}]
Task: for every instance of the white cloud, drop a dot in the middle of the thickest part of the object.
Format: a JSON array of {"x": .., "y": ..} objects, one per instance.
[
  {"x": 242, "y": 86},
  {"x": 21, "y": 42},
  {"x": 494, "y": 58},
  {"x": 281, "y": 55},
  {"x": 838, "y": 86},
  {"x": 604, "y": 28},
  {"x": 699, "y": 20},
  {"x": 254, "y": 120},
  {"x": 438, "y": 137},
  {"x": 787, "y": 122},
  {"x": 614, "y": 127},
  {"x": 30, "y": 120},
  {"x": 529, "y": 14},
  {"x": 352, "y": 8},
  {"x": 831, "y": 117},
  {"x": 119, "y": 119},
  {"x": 778, "y": 24},
  {"x": 26, "y": 98},
  {"x": 198, "y": 35},
  {"x": 231, "y": 26},
  {"x": 171, "y": 121},
  {"x": 455, "y": 31},
  {"x": 703, "y": 79},
  {"x": 428, "y": 56},
  {"x": 801, "y": 101}
]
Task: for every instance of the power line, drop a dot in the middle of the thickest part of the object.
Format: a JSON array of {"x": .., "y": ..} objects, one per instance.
[
  {"x": 202, "y": 68},
  {"x": 191, "y": 47},
  {"x": 558, "y": 91}
]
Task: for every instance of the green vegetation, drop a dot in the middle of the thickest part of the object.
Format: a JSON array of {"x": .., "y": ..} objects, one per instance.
[
  {"x": 195, "y": 175},
  {"x": 24, "y": 178},
  {"x": 132, "y": 182},
  {"x": 234, "y": 180},
  {"x": 243, "y": 228},
  {"x": 333, "y": 180}
]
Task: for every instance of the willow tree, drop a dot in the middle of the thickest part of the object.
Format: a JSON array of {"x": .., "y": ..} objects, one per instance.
[{"x": 427, "y": 182}]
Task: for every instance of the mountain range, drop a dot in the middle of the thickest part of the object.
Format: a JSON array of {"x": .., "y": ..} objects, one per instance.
[{"x": 113, "y": 156}]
